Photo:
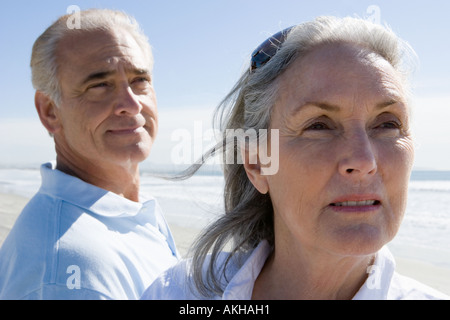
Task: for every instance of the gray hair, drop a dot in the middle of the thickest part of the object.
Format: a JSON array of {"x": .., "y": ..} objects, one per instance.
[
  {"x": 44, "y": 67},
  {"x": 248, "y": 217}
]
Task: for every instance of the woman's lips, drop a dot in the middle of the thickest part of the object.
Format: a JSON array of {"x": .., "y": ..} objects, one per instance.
[{"x": 356, "y": 203}]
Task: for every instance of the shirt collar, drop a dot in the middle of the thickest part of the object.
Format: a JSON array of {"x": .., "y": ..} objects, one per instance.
[
  {"x": 379, "y": 277},
  {"x": 241, "y": 285},
  {"x": 376, "y": 286},
  {"x": 87, "y": 196}
]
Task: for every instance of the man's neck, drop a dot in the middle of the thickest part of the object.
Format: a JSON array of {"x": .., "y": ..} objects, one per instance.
[{"x": 122, "y": 180}]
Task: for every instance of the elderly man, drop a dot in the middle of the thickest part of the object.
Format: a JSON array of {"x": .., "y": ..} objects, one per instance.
[{"x": 88, "y": 233}]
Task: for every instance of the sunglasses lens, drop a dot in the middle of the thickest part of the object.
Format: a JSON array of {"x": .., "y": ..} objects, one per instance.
[{"x": 268, "y": 49}]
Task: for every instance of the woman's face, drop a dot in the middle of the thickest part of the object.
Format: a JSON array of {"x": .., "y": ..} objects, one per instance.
[{"x": 345, "y": 152}]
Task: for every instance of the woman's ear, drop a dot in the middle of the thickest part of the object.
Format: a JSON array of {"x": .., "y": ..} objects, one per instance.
[
  {"x": 252, "y": 167},
  {"x": 47, "y": 111}
]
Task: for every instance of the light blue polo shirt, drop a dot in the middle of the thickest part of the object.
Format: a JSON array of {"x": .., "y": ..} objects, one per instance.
[{"x": 77, "y": 241}]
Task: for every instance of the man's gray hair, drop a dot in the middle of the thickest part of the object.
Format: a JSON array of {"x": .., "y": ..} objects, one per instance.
[
  {"x": 248, "y": 217},
  {"x": 44, "y": 66}
]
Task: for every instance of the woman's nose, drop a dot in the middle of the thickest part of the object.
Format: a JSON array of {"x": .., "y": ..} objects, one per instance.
[{"x": 358, "y": 158}]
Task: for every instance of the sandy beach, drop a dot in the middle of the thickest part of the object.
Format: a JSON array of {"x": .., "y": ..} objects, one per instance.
[{"x": 434, "y": 276}]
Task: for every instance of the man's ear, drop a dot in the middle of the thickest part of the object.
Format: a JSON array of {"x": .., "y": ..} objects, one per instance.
[
  {"x": 47, "y": 111},
  {"x": 252, "y": 167}
]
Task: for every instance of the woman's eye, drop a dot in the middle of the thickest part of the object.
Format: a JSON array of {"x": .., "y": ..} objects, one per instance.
[
  {"x": 390, "y": 125},
  {"x": 318, "y": 126}
]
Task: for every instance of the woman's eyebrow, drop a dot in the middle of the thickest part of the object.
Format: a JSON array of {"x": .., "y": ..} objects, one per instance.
[
  {"x": 386, "y": 104},
  {"x": 334, "y": 108},
  {"x": 313, "y": 104}
]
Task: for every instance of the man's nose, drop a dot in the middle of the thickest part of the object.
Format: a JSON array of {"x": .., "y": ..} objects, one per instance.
[{"x": 127, "y": 102}]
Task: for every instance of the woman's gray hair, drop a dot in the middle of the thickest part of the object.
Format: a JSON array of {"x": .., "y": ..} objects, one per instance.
[
  {"x": 248, "y": 217},
  {"x": 44, "y": 66}
]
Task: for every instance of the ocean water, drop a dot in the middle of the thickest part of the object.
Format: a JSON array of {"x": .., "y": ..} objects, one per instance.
[
  {"x": 424, "y": 234},
  {"x": 425, "y": 230}
]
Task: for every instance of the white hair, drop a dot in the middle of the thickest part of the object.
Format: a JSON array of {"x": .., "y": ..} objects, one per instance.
[{"x": 44, "y": 67}]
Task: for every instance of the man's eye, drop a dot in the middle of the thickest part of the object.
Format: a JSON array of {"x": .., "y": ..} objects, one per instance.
[
  {"x": 141, "y": 84},
  {"x": 98, "y": 85},
  {"x": 141, "y": 79}
]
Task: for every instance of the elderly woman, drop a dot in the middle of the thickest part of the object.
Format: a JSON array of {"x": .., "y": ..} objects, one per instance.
[{"x": 335, "y": 92}]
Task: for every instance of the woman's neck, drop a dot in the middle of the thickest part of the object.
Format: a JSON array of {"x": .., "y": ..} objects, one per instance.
[{"x": 301, "y": 276}]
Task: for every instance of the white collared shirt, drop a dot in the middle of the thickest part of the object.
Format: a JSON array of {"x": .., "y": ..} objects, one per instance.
[
  {"x": 74, "y": 240},
  {"x": 383, "y": 282}
]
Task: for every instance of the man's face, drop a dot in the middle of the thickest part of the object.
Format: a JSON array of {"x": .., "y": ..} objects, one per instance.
[{"x": 108, "y": 111}]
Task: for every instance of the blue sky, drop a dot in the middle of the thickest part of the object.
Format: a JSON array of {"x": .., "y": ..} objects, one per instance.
[{"x": 200, "y": 49}]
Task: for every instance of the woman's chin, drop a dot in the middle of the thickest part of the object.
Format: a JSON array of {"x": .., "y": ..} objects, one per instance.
[{"x": 358, "y": 240}]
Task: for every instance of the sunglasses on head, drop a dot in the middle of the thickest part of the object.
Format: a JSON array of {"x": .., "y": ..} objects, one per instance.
[{"x": 268, "y": 49}]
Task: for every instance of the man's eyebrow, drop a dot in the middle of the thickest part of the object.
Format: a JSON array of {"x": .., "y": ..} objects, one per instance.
[
  {"x": 140, "y": 71},
  {"x": 100, "y": 75}
]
